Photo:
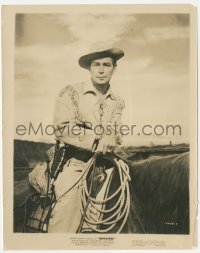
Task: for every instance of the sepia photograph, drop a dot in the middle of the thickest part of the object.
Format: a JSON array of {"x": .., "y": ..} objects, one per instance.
[{"x": 103, "y": 126}]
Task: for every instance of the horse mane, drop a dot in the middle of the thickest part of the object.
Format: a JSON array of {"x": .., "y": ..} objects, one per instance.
[{"x": 160, "y": 192}]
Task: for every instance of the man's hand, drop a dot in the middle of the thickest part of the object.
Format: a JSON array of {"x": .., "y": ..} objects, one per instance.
[
  {"x": 107, "y": 144},
  {"x": 38, "y": 178}
]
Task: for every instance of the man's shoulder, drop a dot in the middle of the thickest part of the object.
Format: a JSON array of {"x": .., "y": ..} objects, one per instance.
[
  {"x": 70, "y": 89},
  {"x": 119, "y": 100}
]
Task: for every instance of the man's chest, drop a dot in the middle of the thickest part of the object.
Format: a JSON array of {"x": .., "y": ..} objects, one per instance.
[{"x": 96, "y": 109}]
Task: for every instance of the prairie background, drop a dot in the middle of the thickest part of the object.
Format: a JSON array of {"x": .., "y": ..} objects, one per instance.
[{"x": 27, "y": 154}]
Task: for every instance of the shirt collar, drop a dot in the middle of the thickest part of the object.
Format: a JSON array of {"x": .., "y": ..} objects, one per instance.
[{"x": 89, "y": 88}]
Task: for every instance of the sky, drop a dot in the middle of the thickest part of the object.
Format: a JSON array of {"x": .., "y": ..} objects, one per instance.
[{"x": 152, "y": 77}]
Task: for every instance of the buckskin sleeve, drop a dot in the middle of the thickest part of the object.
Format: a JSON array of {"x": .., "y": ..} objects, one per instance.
[
  {"x": 68, "y": 121},
  {"x": 116, "y": 120}
]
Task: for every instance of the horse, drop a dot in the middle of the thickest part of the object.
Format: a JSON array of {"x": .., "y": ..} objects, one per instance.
[{"x": 159, "y": 196}]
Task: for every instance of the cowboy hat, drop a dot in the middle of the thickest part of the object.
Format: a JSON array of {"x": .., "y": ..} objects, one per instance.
[{"x": 100, "y": 50}]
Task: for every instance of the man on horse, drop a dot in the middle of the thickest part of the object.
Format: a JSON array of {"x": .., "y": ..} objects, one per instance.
[{"x": 87, "y": 120}]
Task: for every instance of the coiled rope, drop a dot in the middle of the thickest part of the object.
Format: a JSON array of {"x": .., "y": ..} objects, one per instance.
[{"x": 118, "y": 213}]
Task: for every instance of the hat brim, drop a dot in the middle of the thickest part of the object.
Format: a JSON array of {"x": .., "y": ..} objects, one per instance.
[{"x": 114, "y": 53}]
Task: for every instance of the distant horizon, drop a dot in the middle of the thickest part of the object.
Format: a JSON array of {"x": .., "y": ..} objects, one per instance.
[{"x": 154, "y": 145}]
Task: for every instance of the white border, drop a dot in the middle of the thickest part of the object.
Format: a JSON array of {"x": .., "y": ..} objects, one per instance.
[{"x": 53, "y": 2}]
